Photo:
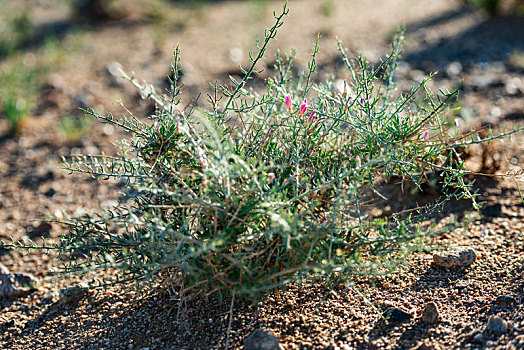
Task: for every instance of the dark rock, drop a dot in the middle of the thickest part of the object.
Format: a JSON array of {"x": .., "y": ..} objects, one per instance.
[
  {"x": 97, "y": 10},
  {"x": 13, "y": 285},
  {"x": 518, "y": 115},
  {"x": 261, "y": 339},
  {"x": 505, "y": 300},
  {"x": 430, "y": 314},
  {"x": 492, "y": 210},
  {"x": 9, "y": 324},
  {"x": 34, "y": 180},
  {"x": 42, "y": 230},
  {"x": 394, "y": 314},
  {"x": 477, "y": 338},
  {"x": 459, "y": 257},
  {"x": 497, "y": 325},
  {"x": 50, "y": 192}
]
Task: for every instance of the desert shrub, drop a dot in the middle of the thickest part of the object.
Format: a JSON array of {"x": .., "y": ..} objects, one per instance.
[{"x": 262, "y": 189}]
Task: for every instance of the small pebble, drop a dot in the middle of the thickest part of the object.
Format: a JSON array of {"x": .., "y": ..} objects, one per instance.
[
  {"x": 71, "y": 295},
  {"x": 462, "y": 285},
  {"x": 497, "y": 325},
  {"x": 261, "y": 339},
  {"x": 454, "y": 68},
  {"x": 49, "y": 296},
  {"x": 430, "y": 314},
  {"x": 459, "y": 257}
]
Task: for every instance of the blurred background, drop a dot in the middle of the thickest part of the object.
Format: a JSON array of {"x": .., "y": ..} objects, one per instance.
[{"x": 59, "y": 55}]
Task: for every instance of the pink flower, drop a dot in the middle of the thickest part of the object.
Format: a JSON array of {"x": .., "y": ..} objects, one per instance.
[
  {"x": 288, "y": 102},
  {"x": 271, "y": 177},
  {"x": 303, "y": 107},
  {"x": 311, "y": 117},
  {"x": 426, "y": 135}
]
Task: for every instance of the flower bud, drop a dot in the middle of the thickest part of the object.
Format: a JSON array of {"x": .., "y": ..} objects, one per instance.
[
  {"x": 303, "y": 107},
  {"x": 288, "y": 102},
  {"x": 311, "y": 117}
]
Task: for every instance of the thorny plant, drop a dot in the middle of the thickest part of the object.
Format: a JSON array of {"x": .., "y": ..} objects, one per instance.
[{"x": 265, "y": 189}]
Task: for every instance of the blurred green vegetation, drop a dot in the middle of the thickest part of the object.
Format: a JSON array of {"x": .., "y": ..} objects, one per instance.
[
  {"x": 74, "y": 126},
  {"x": 490, "y": 6},
  {"x": 18, "y": 91},
  {"x": 22, "y": 72},
  {"x": 16, "y": 28},
  {"x": 327, "y": 8},
  {"x": 497, "y": 7}
]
